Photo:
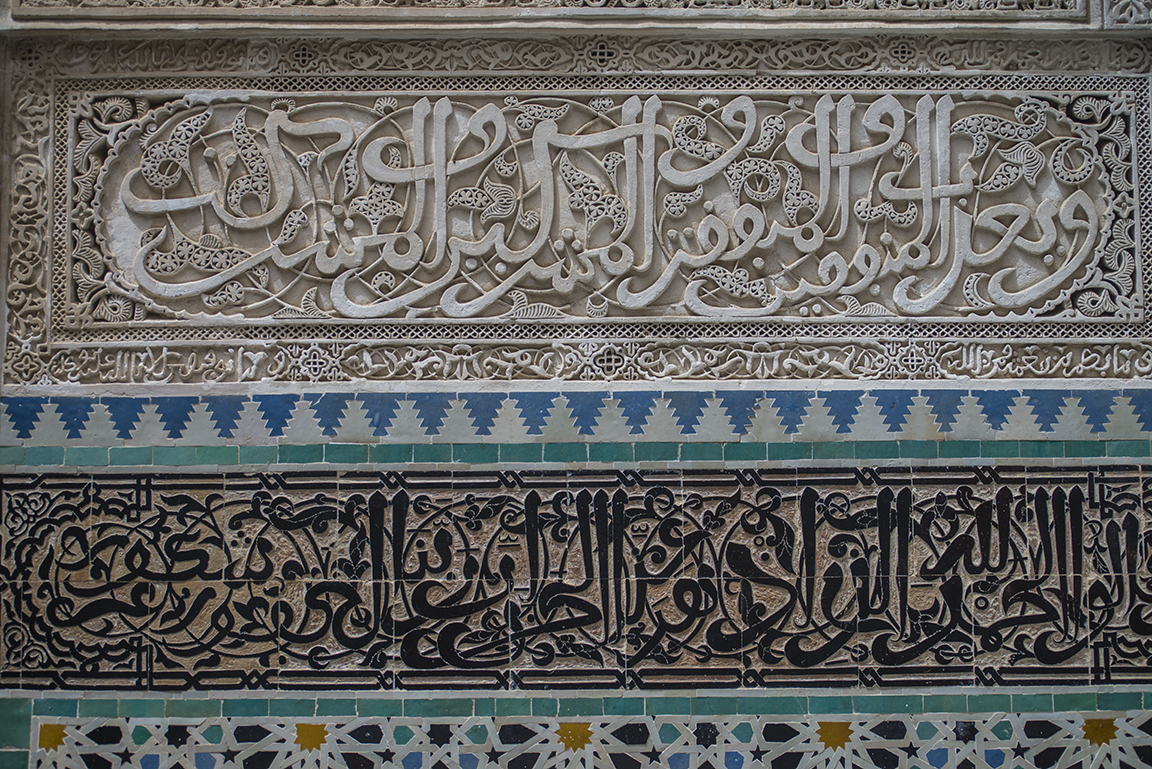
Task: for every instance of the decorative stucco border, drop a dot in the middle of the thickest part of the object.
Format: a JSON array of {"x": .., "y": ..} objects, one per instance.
[{"x": 31, "y": 359}]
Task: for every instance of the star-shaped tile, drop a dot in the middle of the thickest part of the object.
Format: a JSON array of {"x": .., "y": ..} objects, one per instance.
[
  {"x": 493, "y": 756},
  {"x": 758, "y": 754},
  {"x": 653, "y": 755}
]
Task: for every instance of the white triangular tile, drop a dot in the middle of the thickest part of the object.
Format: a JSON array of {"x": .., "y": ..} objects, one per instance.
[
  {"x": 970, "y": 424},
  {"x": 818, "y": 426},
  {"x": 870, "y": 424},
  {"x": 303, "y": 428},
  {"x": 457, "y": 427},
  {"x": 560, "y": 425},
  {"x": 714, "y": 426},
  {"x": 49, "y": 431},
  {"x": 1072, "y": 425},
  {"x": 406, "y": 426},
  {"x": 611, "y": 426},
  {"x": 1125, "y": 425},
  {"x": 251, "y": 429},
  {"x": 99, "y": 430},
  {"x": 921, "y": 424},
  {"x": 201, "y": 430},
  {"x": 662, "y": 426},
  {"x": 1021, "y": 424},
  {"x": 356, "y": 427},
  {"x": 765, "y": 426},
  {"x": 508, "y": 427}
]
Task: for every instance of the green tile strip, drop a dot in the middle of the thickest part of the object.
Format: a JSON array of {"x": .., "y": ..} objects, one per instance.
[
  {"x": 16, "y": 713},
  {"x": 910, "y": 451}
]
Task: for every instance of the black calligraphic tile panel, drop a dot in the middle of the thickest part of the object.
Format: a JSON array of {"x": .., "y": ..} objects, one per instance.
[{"x": 876, "y": 577}]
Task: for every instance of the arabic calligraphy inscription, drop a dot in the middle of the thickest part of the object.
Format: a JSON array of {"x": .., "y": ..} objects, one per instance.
[{"x": 656, "y": 206}]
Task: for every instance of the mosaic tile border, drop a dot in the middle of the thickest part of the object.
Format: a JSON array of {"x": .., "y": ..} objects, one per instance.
[
  {"x": 583, "y": 416},
  {"x": 617, "y": 580},
  {"x": 882, "y": 740}
]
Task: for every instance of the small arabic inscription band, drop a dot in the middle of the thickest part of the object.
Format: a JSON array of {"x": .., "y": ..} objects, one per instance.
[{"x": 612, "y": 579}]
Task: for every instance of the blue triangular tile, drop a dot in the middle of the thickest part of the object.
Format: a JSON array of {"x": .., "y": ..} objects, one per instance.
[
  {"x": 534, "y": 409},
  {"x": 125, "y": 414},
  {"x": 945, "y": 406},
  {"x": 894, "y": 406},
  {"x": 23, "y": 414},
  {"x": 996, "y": 405},
  {"x": 1046, "y": 405},
  {"x": 276, "y": 411},
  {"x": 585, "y": 408},
  {"x": 739, "y": 406},
  {"x": 380, "y": 408},
  {"x": 636, "y": 407},
  {"x": 74, "y": 413},
  {"x": 1141, "y": 402},
  {"x": 483, "y": 408},
  {"x": 791, "y": 406},
  {"x": 432, "y": 409},
  {"x": 1097, "y": 405},
  {"x": 329, "y": 410},
  {"x": 687, "y": 408},
  {"x": 174, "y": 413},
  {"x": 225, "y": 412},
  {"x": 843, "y": 406}
]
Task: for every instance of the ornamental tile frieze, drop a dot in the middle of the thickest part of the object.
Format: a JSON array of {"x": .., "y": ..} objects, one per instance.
[
  {"x": 222, "y": 228},
  {"x": 610, "y": 579}
]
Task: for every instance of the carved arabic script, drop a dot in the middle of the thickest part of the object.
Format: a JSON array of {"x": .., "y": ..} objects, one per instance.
[{"x": 832, "y": 205}]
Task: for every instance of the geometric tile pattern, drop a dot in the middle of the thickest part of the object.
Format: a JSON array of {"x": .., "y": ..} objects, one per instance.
[
  {"x": 628, "y": 579},
  {"x": 588, "y": 416},
  {"x": 999, "y": 740}
]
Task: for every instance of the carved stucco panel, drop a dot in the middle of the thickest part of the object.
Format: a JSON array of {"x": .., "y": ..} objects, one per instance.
[{"x": 220, "y": 227}]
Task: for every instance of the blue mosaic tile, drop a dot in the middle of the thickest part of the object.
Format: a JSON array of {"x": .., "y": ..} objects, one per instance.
[
  {"x": 996, "y": 405},
  {"x": 1097, "y": 406},
  {"x": 687, "y": 408},
  {"x": 1141, "y": 401},
  {"x": 792, "y": 407},
  {"x": 329, "y": 410},
  {"x": 843, "y": 406},
  {"x": 380, "y": 408},
  {"x": 945, "y": 406},
  {"x": 483, "y": 409},
  {"x": 739, "y": 406},
  {"x": 894, "y": 406},
  {"x": 74, "y": 413},
  {"x": 224, "y": 411},
  {"x": 586, "y": 408},
  {"x": 432, "y": 409},
  {"x": 276, "y": 411},
  {"x": 23, "y": 414},
  {"x": 637, "y": 407},
  {"x": 534, "y": 408},
  {"x": 1047, "y": 407},
  {"x": 174, "y": 413}
]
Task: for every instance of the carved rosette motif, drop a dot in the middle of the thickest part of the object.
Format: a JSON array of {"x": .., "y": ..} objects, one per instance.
[{"x": 872, "y": 227}]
